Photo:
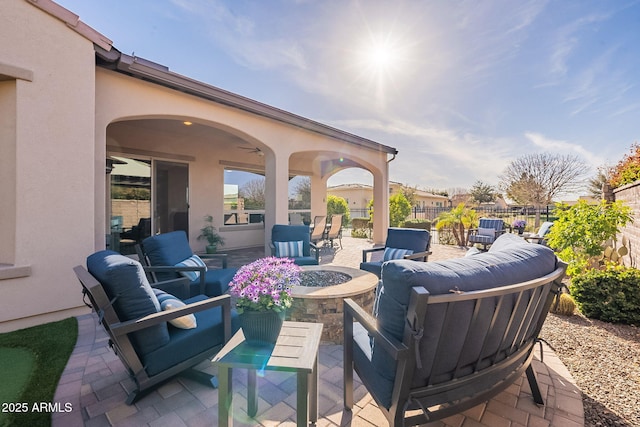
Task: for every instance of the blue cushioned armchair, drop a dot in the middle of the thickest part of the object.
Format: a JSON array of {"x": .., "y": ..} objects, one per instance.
[
  {"x": 487, "y": 232},
  {"x": 293, "y": 241},
  {"x": 165, "y": 257},
  {"x": 131, "y": 312},
  {"x": 401, "y": 243}
]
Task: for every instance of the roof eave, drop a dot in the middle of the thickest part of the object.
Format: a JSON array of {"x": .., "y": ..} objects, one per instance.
[{"x": 159, "y": 74}]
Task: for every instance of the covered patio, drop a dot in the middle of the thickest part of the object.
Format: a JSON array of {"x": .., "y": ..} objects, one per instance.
[{"x": 95, "y": 382}]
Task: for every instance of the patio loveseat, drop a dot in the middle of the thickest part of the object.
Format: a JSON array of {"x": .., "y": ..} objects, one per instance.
[{"x": 446, "y": 336}]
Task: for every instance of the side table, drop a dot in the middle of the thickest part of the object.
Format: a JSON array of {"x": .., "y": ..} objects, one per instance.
[{"x": 296, "y": 350}]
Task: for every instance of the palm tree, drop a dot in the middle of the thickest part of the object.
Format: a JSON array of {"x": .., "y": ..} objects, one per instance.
[{"x": 458, "y": 219}]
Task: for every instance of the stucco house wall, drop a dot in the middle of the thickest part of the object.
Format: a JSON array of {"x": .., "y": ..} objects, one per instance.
[
  {"x": 69, "y": 100},
  {"x": 48, "y": 195}
]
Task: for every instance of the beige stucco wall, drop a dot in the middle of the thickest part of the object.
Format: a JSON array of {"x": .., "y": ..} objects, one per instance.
[
  {"x": 52, "y": 213},
  {"x": 123, "y": 98},
  {"x": 60, "y": 113}
]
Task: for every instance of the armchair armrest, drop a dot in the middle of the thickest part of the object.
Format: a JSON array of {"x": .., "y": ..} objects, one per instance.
[
  {"x": 315, "y": 248},
  {"x": 273, "y": 248},
  {"x": 221, "y": 257},
  {"x": 417, "y": 255},
  {"x": 368, "y": 251},
  {"x": 175, "y": 269},
  {"x": 224, "y": 301}
]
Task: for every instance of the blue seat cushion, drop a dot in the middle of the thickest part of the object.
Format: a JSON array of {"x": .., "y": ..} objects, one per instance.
[
  {"x": 186, "y": 343},
  {"x": 305, "y": 260},
  {"x": 125, "y": 282},
  {"x": 374, "y": 267},
  {"x": 216, "y": 282},
  {"x": 378, "y": 385}
]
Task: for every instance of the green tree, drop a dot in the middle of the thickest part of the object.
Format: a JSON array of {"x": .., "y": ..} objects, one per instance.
[
  {"x": 483, "y": 193},
  {"x": 338, "y": 205},
  {"x": 581, "y": 231},
  {"x": 399, "y": 209},
  {"x": 458, "y": 219}
]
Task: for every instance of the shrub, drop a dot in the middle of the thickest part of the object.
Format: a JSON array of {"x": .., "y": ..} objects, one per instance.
[
  {"x": 399, "y": 209},
  {"x": 359, "y": 233},
  {"x": 581, "y": 231},
  {"x": 338, "y": 205},
  {"x": 627, "y": 170},
  {"x": 422, "y": 224},
  {"x": 612, "y": 294}
]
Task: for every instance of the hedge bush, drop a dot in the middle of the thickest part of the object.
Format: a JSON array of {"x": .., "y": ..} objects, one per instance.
[
  {"x": 422, "y": 224},
  {"x": 611, "y": 295}
]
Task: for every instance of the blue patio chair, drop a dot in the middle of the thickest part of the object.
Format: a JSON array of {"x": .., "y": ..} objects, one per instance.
[
  {"x": 401, "y": 243},
  {"x": 540, "y": 236},
  {"x": 168, "y": 256},
  {"x": 488, "y": 230},
  {"x": 293, "y": 241},
  {"x": 155, "y": 334}
]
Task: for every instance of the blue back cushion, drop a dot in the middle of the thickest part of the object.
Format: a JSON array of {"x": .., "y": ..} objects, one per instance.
[
  {"x": 495, "y": 223},
  {"x": 124, "y": 279},
  {"x": 288, "y": 233},
  {"x": 408, "y": 238},
  {"x": 167, "y": 249},
  {"x": 511, "y": 260}
]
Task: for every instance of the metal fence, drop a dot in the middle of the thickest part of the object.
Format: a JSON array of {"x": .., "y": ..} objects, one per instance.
[{"x": 508, "y": 215}]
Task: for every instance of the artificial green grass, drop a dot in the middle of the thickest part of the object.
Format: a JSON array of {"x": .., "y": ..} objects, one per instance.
[
  {"x": 16, "y": 366},
  {"x": 51, "y": 345}
]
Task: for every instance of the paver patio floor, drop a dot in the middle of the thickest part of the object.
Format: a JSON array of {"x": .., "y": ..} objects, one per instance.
[{"x": 95, "y": 383}]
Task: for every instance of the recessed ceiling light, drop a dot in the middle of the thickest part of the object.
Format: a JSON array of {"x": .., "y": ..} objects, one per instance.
[{"x": 187, "y": 123}]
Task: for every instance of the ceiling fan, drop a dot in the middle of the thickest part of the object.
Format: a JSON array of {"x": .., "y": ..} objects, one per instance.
[{"x": 254, "y": 150}]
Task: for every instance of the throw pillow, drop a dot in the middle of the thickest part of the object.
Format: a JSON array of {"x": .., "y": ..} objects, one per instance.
[
  {"x": 192, "y": 261},
  {"x": 291, "y": 249},
  {"x": 394, "y": 253},
  {"x": 487, "y": 231},
  {"x": 167, "y": 302}
]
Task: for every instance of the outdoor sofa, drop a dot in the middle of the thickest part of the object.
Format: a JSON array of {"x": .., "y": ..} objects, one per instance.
[{"x": 448, "y": 335}]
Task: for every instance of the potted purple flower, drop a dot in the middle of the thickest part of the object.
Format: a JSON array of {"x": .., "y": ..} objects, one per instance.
[
  {"x": 262, "y": 291},
  {"x": 519, "y": 224}
]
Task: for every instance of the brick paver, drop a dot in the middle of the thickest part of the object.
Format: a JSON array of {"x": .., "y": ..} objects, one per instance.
[{"x": 95, "y": 383}]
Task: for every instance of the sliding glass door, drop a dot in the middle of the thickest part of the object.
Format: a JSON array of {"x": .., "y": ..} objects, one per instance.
[{"x": 170, "y": 196}]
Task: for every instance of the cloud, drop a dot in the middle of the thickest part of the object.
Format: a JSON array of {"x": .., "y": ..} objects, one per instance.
[
  {"x": 242, "y": 37},
  {"x": 558, "y": 146}
]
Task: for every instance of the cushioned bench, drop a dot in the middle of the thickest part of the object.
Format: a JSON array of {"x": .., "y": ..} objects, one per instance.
[{"x": 446, "y": 336}]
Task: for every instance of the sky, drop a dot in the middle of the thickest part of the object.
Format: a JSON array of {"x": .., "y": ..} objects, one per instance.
[{"x": 459, "y": 88}]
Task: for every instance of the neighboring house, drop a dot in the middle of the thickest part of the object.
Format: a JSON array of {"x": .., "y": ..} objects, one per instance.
[
  {"x": 84, "y": 127},
  {"x": 358, "y": 197},
  {"x": 423, "y": 199}
]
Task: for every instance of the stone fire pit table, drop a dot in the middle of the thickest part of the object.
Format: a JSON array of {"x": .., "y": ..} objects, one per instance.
[{"x": 324, "y": 304}]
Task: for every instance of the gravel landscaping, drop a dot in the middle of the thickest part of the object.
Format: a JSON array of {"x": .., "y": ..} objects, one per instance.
[{"x": 604, "y": 360}]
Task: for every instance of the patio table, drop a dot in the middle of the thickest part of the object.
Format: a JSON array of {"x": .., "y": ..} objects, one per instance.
[{"x": 296, "y": 350}]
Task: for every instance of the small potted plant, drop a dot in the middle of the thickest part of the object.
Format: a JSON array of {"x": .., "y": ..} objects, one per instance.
[
  {"x": 519, "y": 224},
  {"x": 210, "y": 234},
  {"x": 262, "y": 293}
]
